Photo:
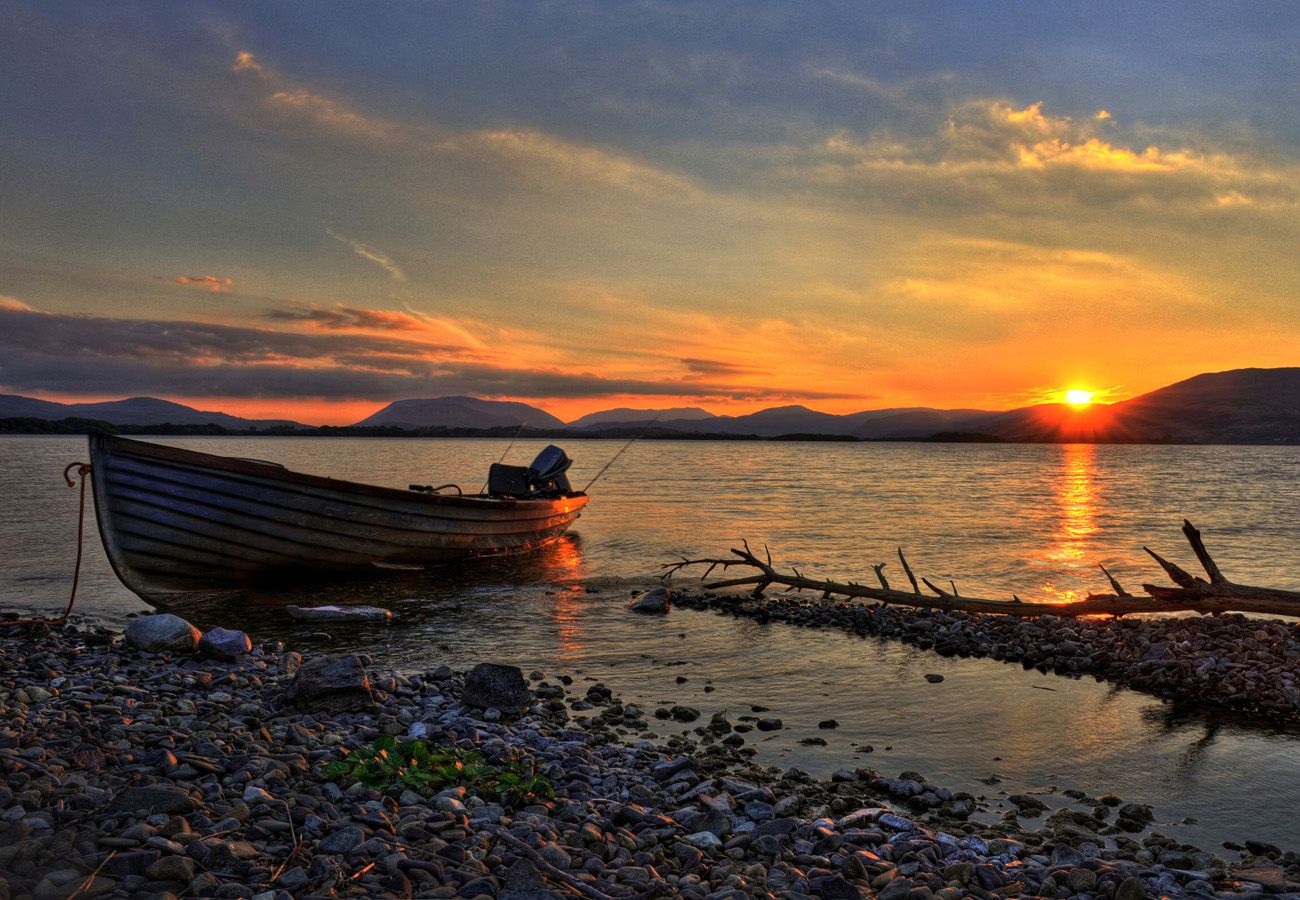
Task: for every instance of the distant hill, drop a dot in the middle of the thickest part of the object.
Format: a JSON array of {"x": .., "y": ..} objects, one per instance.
[
  {"x": 625, "y": 416},
  {"x": 460, "y": 412},
  {"x": 899, "y": 424},
  {"x": 918, "y": 422},
  {"x": 1242, "y": 406},
  {"x": 134, "y": 411}
]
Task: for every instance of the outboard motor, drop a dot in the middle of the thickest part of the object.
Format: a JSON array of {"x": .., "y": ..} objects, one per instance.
[
  {"x": 547, "y": 471},
  {"x": 545, "y": 477}
]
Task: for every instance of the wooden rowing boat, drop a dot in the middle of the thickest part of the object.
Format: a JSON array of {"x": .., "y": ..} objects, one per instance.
[{"x": 176, "y": 521}]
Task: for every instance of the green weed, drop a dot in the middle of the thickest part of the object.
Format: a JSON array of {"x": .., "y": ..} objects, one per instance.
[{"x": 428, "y": 769}]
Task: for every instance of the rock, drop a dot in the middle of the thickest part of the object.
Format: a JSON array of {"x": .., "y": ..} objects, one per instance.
[
  {"x": 224, "y": 644},
  {"x": 933, "y": 678},
  {"x": 1271, "y": 877},
  {"x": 523, "y": 882},
  {"x": 345, "y": 840},
  {"x": 333, "y": 683},
  {"x": 1131, "y": 889},
  {"x": 704, "y": 840},
  {"x": 826, "y": 724},
  {"x": 652, "y": 601},
  {"x": 769, "y": 724},
  {"x": 333, "y": 613},
  {"x": 837, "y": 887},
  {"x": 172, "y": 868},
  {"x": 1134, "y": 817},
  {"x": 162, "y": 633},
  {"x": 668, "y": 768},
  {"x": 153, "y": 799},
  {"x": 492, "y": 686}
]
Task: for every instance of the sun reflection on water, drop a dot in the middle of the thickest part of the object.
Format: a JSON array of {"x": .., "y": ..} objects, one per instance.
[{"x": 1077, "y": 499}]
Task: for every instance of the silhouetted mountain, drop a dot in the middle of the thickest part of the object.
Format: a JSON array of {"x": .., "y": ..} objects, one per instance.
[
  {"x": 134, "y": 411},
  {"x": 1242, "y": 406},
  {"x": 625, "y": 416},
  {"x": 461, "y": 412},
  {"x": 918, "y": 423}
]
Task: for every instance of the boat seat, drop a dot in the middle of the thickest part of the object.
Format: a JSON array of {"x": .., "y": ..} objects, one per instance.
[{"x": 508, "y": 481}]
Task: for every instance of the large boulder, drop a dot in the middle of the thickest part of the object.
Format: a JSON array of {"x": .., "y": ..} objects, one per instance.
[
  {"x": 225, "y": 644},
  {"x": 493, "y": 686},
  {"x": 162, "y": 633},
  {"x": 652, "y": 601},
  {"x": 332, "y": 683}
]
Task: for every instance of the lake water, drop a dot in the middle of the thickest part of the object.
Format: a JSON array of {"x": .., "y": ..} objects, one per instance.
[{"x": 1033, "y": 520}]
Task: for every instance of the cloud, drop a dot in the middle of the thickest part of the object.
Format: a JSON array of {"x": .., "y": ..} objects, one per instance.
[
  {"x": 370, "y": 254},
  {"x": 546, "y": 160},
  {"x": 342, "y": 317},
  {"x": 13, "y": 304},
  {"x": 212, "y": 283},
  {"x": 294, "y": 104},
  {"x": 711, "y": 368},
  {"x": 61, "y": 354}
]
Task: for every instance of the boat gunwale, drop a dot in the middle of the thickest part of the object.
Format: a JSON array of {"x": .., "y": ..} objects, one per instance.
[{"x": 112, "y": 444}]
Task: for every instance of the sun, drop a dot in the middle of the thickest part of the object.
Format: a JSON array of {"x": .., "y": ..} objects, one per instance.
[{"x": 1078, "y": 397}]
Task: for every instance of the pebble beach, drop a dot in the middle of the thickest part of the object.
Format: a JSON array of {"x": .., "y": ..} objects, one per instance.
[{"x": 162, "y": 766}]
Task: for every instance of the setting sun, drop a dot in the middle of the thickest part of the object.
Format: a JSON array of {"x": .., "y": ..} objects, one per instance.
[{"x": 1078, "y": 397}]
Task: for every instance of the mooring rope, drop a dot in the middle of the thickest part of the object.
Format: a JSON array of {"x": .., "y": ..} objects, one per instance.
[{"x": 83, "y": 469}]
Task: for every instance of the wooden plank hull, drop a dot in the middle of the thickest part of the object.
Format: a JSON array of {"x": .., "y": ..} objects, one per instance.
[{"x": 175, "y": 521}]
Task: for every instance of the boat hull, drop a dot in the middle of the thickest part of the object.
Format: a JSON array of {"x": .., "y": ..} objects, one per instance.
[{"x": 175, "y": 521}]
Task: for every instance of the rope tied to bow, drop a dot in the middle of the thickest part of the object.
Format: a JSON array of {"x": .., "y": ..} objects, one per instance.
[{"x": 82, "y": 470}]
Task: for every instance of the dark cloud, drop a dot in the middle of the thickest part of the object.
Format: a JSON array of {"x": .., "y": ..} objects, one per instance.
[
  {"x": 47, "y": 353},
  {"x": 341, "y": 317},
  {"x": 713, "y": 367}
]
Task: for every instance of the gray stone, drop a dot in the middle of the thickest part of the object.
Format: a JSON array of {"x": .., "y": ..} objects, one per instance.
[
  {"x": 152, "y": 799},
  {"x": 652, "y": 601},
  {"x": 837, "y": 888},
  {"x": 162, "y": 633},
  {"x": 492, "y": 686},
  {"x": 172, "y": 868},
  {"x": 225, "y": 644},
  {"x": 1131, "y": 889},
  {"x": 345, "y": 840},
  {"x": 705, "y": 840},
  {"x": 331, "y": 682},
  {"x": 523, "y": 882}
]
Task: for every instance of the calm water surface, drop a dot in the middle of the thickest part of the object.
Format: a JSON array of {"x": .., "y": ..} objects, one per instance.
[{"x": 1033, "y": 520}]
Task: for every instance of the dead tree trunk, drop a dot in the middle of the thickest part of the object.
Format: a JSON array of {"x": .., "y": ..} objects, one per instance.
[{"x": 1193, "y": 594}]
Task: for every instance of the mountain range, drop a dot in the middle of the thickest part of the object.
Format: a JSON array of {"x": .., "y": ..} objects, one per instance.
[
  {"x": 132, "y": 411},
  {"x": 1243, "y": 406}
]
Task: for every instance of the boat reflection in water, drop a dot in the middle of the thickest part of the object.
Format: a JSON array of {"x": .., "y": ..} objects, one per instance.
[{"x": 556, "y": 568}]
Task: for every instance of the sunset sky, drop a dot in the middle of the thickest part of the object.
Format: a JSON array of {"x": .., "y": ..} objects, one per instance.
[{"x": 308, "y": 210}]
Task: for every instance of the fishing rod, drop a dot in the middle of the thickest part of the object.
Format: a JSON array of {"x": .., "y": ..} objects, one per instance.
[
  {"x": 636, "y": 437},
  {"x": 518, "y": 431}
]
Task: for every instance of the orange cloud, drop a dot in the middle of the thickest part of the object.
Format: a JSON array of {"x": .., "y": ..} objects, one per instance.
[
  {"x": 13, "y": 303},
  {"x": 213, "y": 283}
]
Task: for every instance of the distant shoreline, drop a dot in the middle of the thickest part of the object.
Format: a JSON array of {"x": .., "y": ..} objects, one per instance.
[{"x": 75, "y": 426}]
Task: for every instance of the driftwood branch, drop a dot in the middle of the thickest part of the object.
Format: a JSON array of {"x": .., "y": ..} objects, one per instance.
[{"x": 1192, "y": 594}]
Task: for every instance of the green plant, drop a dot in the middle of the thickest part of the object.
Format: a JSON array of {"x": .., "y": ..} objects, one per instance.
[{"x": 427, "y": 769}]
